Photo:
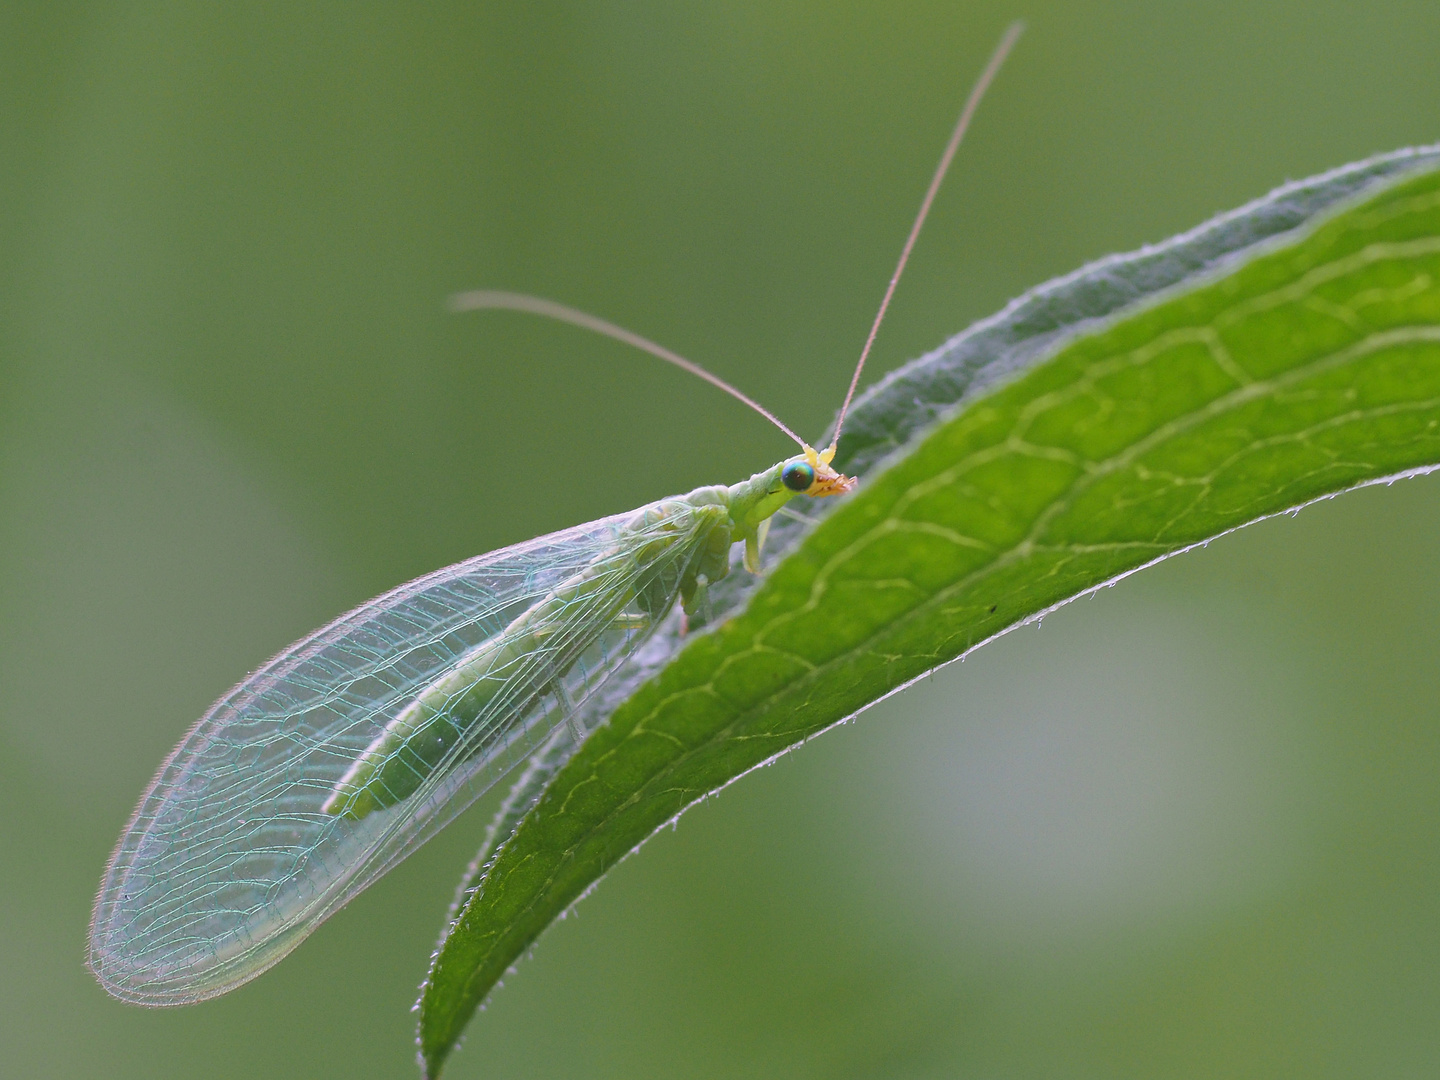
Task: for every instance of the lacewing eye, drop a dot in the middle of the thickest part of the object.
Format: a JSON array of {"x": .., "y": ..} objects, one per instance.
[{"x": 798, "y": 476}]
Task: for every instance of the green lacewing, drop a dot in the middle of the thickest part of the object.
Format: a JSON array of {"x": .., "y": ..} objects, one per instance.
[{"x": 336, "y": 759}]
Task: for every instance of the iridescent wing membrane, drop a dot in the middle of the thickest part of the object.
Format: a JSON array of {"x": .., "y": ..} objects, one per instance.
[{"x": 230, "y": 860}]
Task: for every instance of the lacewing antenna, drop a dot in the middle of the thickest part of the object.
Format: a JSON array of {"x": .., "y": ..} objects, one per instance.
[
  {"x": 536, "y": 305},
  {"x": 997, "y": 58}
]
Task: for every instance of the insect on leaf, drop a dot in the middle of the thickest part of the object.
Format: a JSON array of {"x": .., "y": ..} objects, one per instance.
[{"x": 1279, "y": 354}]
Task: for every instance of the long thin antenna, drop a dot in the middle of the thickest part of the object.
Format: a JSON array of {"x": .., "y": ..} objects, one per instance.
[
  {"x": 997, "y": 58},
  {"x": 537, "y": 305}
]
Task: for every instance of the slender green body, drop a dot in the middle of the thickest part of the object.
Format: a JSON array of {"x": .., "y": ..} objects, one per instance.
[
  {"x": 707, "y": 521},
  {"x": 337, "y": 758}
]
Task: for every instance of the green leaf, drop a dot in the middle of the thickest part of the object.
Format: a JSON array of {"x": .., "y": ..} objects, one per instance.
[{"x": 1277, "y": 355}]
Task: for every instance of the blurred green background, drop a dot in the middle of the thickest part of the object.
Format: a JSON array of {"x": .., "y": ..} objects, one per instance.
[{"x": 1188, "y": 828}]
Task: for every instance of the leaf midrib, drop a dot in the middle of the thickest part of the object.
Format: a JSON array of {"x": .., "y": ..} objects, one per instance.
[{"x": 1096, "y": 471}]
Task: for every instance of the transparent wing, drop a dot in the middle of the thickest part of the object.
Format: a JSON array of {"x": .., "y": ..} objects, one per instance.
[{"x": 229, "y": 860}]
